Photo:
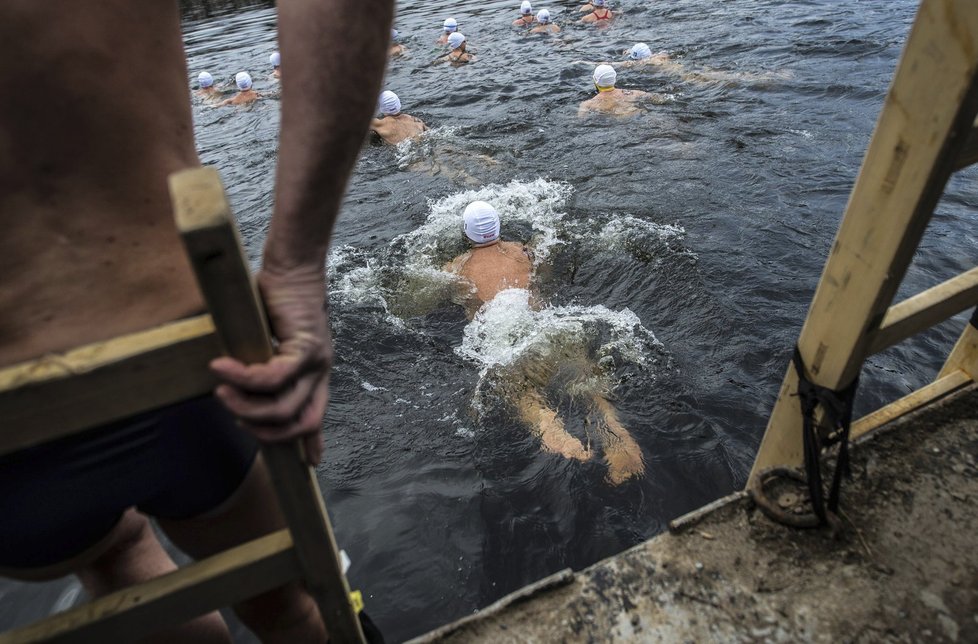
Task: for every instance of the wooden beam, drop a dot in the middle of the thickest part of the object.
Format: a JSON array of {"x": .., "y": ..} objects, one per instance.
[
  {"x": 964, "y": 355},
  {"x": 926, "y": 309},
  {"x": 920, "y": 132},
  {"x": 911, "y": 402},
  {"x": 204, "y": 219},
  {"x": 58, "y": 395},
  {"x": 130, "y": 614}
]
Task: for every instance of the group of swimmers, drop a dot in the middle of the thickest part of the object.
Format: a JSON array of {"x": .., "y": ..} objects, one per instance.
[{"x": 246, "y": 93}]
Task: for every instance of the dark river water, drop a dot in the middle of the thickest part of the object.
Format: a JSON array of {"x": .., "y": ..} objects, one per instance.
[{"x": 679, "y": 248}]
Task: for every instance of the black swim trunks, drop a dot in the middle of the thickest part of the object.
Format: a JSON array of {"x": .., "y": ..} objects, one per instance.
[{"x": 58, "y": 499}]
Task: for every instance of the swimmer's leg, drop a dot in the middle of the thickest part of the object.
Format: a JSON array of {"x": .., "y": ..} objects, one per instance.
[
  {"x": 549, "y": 427},
  {"x": 621, "y": 452},
  {"x": 284, "y": 614},
  {"x": 132, "y": 554}
]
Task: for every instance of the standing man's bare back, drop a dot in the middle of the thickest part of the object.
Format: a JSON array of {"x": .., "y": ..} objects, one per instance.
[{"x": 87, "y": 221}]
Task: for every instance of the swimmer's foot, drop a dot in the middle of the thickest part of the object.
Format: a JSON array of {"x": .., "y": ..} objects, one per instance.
[
  {"x": 624, "y": 462},
  {"x": 556, "y": 439},
  {"x": 622, "y": 454},
  {"x": 550, "y": 428}
]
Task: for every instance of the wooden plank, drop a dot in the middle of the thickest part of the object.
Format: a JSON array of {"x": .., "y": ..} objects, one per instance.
[
  {"x": 911, "y": 402},
  {"x": 204, "y": 219},
  {"x": 920, "y": 132},
  {"x": 133, "y": 613},
  {"x": 964, "y": 355},
  {"x": 58, "y": 395},
  {"x": 926, "y": 309}
]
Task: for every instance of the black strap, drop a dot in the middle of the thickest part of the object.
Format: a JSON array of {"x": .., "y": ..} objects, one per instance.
[
  {"x": 974, "y": 318},
  {"x": 838, "y": 414}
]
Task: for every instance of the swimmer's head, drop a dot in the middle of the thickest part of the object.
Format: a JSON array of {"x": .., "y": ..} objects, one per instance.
[
  {"x": 394, "y": 35},
  {"x": 639, "y": 51},
  {"x": 526, "y": 8},
  {"x": 598, "y": 3},
  {"x": 480, "y": 221},
  {"x": 605, "y": 77},
  {"x": 275, "y": 59},
  {"x": 450, "y": 25},
  {"x": 243, "y": 80},
  {"x": 205, "y": 80},
  {"x": 456, "y": 40},
  {"x": 389, "y": 104},
  {"x": 543, "y": 16}
]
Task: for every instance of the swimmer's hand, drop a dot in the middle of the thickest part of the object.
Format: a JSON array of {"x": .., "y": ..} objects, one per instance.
[{"x": 286, "y": 397}]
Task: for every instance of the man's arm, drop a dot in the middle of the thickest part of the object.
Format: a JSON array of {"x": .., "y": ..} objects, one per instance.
[{"x": 325, "y": 115}]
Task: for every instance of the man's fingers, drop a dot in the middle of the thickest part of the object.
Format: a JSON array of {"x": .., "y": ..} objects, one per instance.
[
  {"x": 309, "y": 421},
  {"x": 263, "y": 409},
  {"x": 268, "y": 377}
]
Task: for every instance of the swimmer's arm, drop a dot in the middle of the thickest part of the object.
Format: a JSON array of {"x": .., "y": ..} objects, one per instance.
[{"x": 322, "y": 132}]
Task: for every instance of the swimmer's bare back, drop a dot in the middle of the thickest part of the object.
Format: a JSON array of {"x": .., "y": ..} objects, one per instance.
[
  {"x": 394, "y": 129},
  {"x": 494, "y": 268},
  {"x": 96, "y": 114}
]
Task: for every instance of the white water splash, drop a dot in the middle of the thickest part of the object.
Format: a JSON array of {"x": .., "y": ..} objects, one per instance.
[{"x": 508, "y": 327}]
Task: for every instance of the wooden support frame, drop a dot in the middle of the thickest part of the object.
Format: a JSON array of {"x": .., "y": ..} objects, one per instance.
[
  {"x": 918, "y": 139},
  {"x": 133, "y": 613},
  {"x": 204, "y": 219},
  {"x": 926, "y": 309},
  {"x": 59, "y": 395},
  {"x": 964, "y": 355},
  {"x": 911, "y": 402}
]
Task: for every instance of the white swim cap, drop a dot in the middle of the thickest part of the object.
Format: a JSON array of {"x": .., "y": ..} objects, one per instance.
[
  {"x": 389, "y": 103},
  {"x": 450, "y": 25},
  {"x": 605, "y": 76},
  {"x": 393, "y": 35},
  {"x": 480, "y": 221},
  {"x": 543, "y": 16},
  {"x": 275, "y": 59},
  {"x": 525, "y": 8},
  {"x": 639, "y": 51},
  {"x": 455, "y": 40},
  {"x": 204, "y": 79},
  {"x": 597, "y": 3},
  {"x": 243, "y": 79}
]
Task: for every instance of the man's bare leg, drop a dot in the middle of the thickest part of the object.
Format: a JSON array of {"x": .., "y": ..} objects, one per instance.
[
  {"x": 621, "y": 452},
  {"x": 549, "y": 427},
  {"x": 285, "y": 614},
  {"x": 133, "y": 555}
]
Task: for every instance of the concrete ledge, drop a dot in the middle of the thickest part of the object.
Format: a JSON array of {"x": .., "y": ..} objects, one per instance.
[{"x": 905, "y": 567}]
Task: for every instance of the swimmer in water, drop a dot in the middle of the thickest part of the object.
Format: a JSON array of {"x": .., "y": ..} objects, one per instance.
[
  {"x": 395, "y": 126},
  {"x": 526, "y": 15},
  {"x": 601, "y": 15},
  {"x": 449, "y": 27},
  {"x": 397, "y": 49},
  {"x": 458, "y": 55},
  {"x": 206, "y": 90},
  {"x": 493, "y": 265},
  {"x": 613, "y": 101},
  {"x": 544, "y": 26},
  {"x": 275, "y": 60},
  {"x": 245, "y": 93},
  {"x": 640, "y": 56}
]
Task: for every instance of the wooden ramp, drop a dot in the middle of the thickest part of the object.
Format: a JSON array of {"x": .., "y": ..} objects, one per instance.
[
  {"x": 925, "y": 132},
  {"x": 57, "y": 396}
]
